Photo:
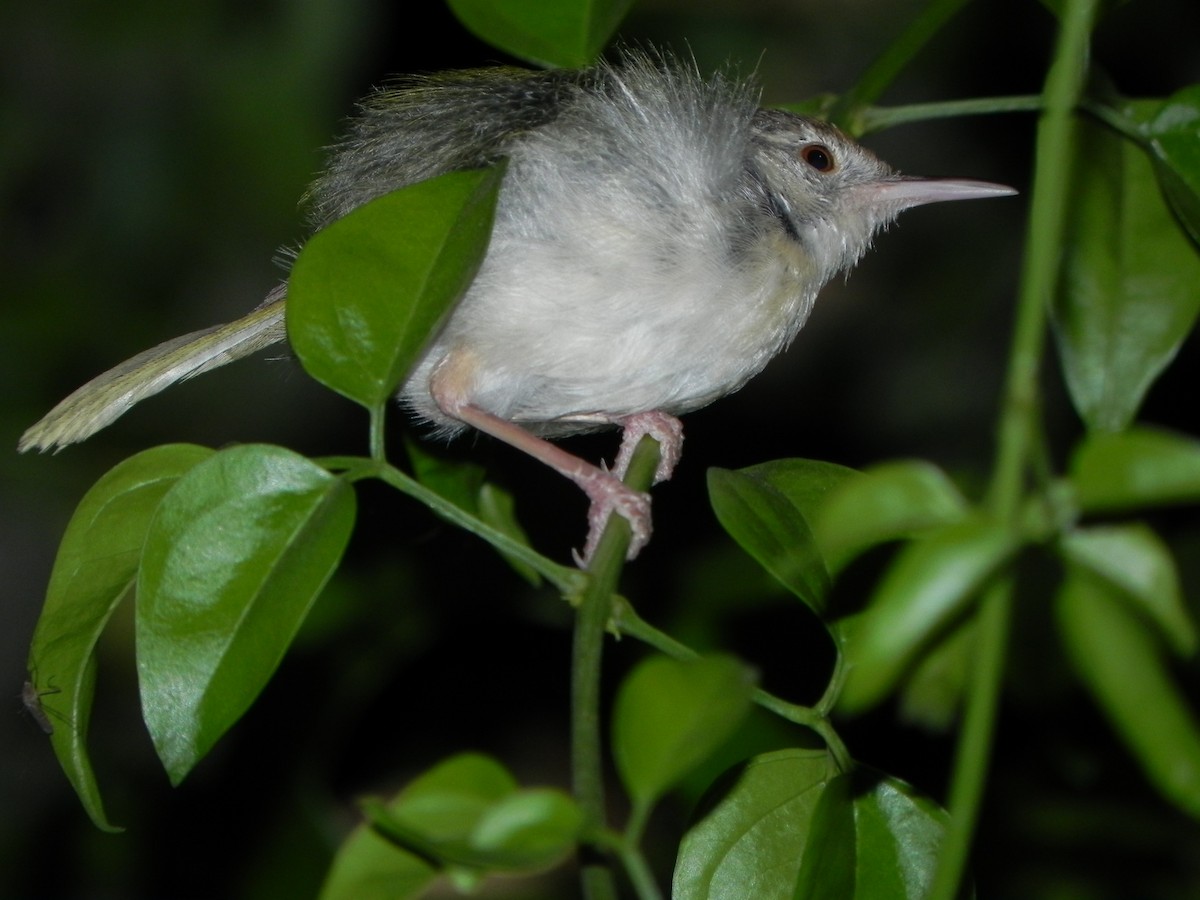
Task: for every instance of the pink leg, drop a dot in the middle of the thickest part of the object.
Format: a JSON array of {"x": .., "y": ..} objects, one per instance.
[{"x": 604, "y": 489}]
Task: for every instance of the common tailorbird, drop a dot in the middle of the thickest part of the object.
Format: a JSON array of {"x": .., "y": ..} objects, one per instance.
[{"x": 658, "y": 239}]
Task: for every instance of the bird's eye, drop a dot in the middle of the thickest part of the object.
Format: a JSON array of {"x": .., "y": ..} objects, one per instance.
[{"x": 818, "y": 156}]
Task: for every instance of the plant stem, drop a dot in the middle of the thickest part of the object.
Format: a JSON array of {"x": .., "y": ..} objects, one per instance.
[
  {"x": 639, "y": 873},
  {"x": 1019, "y": 427},
  {"x": 888, "y": 65},
  {"x": 568, "y": 581},
  {"x": 1116, "y": 120},
  {"x": 591, "y": 622},
  {"x": 630, "y": 623},
  {"x": 1052, "y": 179},
  {"x": 973, "y": 754},
  {"x": 376, "y": 434},
  {"x": 877, "y": 118}
]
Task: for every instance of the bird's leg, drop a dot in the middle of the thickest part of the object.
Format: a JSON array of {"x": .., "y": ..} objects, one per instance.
[{"x": 604, "y": 489}]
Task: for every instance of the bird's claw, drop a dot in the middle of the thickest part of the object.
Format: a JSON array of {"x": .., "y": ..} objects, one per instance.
[
  {"x": 664, "y": 428},
  {"x": 609, "y": 495}
]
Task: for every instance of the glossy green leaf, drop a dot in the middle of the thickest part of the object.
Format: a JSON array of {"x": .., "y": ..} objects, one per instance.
[
  {"x": 96, "y": 565},
  {"x": 748, "y": 842},
  {"x": 236, "y": 555},
  {"x": 1135, "y": 561},
  {"x": 831, "y": 851},
  {"x": 1128, "y": 294},
  {"x": 805, "y": 482},
  {"x": 872, "y": 838},
  {"x": 1134, "y": 469},
  {"x": 769, "y": 526},
  {"x": 567, "y": 33},
  {"x": 1172, "y": 131},
  {"x": 670, "y": 715},
  {"x": 1122, "y": 662},
  {"x": 887, "y": 502},
  {"x": 930, "y": 584},
  {"x": 368, "y": 292},
  {"x": 469, "y": 812}
]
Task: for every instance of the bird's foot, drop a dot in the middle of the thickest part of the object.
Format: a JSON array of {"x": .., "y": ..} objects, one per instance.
[
  {"x": 664, "y": 428},
  {"x": 609, "y": 495}
]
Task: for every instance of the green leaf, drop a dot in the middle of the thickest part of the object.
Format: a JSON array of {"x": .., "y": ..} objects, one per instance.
[
  {"x": 927, "y": 588},
  {"x": 237, "y": 553},
  {"x": 498, "y": 509},
  {"x": 469, "y": 812},
  {"x": 766, "y": 510},
  {"x": 884, "y": 503},
  {"x": 805, "y": 482},
  {"x": 1128, "y": 296},
  {"x": 1135, "y": 561},
  {"x": 368, "y": 292},
  {"x": 670, "y": 715},
  {"x": 749, "y": 842},
  {"x": 568, "y": 33},
  {"x": 527, "y": 830},
  {"x": 96, "y": 564},
  {"x": 370, "y": 867},
  {"x": 1172, "y": 131},
  {"x": 931, "y": 696},
  {"x": 446, "y": 801},
  {"x": 871, "y": 837},
  {"x": 463, "y": 484},
  {"x": 568, "y": 579},
  {"x": 458, "y": 482},
  {"x": 1120, "y": 660},
  {"x": 1134, "y": 469},
  {"x": 830, "y": 852}
]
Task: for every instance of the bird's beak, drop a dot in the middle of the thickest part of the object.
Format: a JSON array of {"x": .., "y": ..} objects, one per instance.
[{"x": 904, "y": 193}]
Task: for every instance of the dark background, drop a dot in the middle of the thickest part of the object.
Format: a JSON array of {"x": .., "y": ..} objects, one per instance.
[{"x": 151, "y": 160}]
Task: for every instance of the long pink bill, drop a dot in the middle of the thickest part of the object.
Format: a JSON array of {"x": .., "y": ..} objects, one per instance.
[{"x": 905, "y": 193}]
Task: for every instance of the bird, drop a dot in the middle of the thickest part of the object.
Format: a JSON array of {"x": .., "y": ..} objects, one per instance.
[{"x": 658, "y": 238}]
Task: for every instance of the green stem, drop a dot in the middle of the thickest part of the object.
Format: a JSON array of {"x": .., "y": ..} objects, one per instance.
[
  {"x": 378, "y": 418},
  {"x": 639, "y": 872},
  {"x": 877, "y": 118},
  {"x": 884, "y": 70},
  {"x": 1019, "y": 428},
  {"x": 973, "y": 753},
  {"x": 591, "y": 622},
  {"x": 1116, "y": 120},
  {"x": 628, "y": 622},
  {"x": 1052, "y": 178},
  {"x": 569, "y": 581}
]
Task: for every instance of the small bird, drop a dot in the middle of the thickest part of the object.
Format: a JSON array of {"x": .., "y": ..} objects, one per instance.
[{"x": 658, "y": 238}]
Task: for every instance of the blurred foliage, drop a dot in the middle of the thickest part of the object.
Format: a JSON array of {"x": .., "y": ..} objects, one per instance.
[{"x": 151, "y": 160}]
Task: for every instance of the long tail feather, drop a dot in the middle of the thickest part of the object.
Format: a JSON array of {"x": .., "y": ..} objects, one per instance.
[{"x": 108, "y": 396}]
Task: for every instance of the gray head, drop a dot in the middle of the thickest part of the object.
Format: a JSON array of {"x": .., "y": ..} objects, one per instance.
[{"x": 831, "y": 194}]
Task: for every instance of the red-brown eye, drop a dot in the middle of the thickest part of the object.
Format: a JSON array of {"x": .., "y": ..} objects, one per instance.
[{"x": 818, "y": 156}]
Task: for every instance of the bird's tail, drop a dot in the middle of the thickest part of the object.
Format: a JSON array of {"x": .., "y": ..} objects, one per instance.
[{"x": 108, "y": 396}]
